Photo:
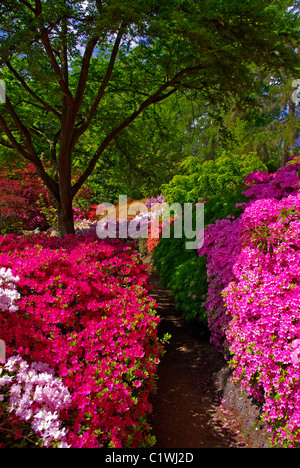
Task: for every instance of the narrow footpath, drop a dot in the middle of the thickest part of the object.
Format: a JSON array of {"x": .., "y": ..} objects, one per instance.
[{"x": 188, "y": 411}]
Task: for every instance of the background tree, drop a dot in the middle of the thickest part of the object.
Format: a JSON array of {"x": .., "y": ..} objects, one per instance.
[{"x": 73, "y": 68}]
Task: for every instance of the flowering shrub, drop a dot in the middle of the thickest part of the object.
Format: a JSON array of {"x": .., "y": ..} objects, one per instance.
[
  {"x": 222, "y": 246},
  {"x": 183, "y": 271},
  {"x": 22, "y": 194},
  {"x": 263, "y": 304},
  {"x": 281, "y": 184},
  {"x": 141, "y": 222},
  {"x": 8, "y": 292},
  {"x": 35, "y": 395},
  {"x": 224, "y": 241},
  {"x": 84, "y": 311},
  {"x": 253, "y": 303}
]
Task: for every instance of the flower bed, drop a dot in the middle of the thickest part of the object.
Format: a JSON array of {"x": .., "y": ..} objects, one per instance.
[
  {"x": 253, "y": 302},
  {"x": 85, "y": 323},
  {"x": 263, "y": 304},
  {"x": 222, "y": 246},
  {"x": 224, "y": 241}
]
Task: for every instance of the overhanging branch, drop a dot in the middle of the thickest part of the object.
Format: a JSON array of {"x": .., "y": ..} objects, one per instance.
[
  {"x": 31, "y": 157},
  {"x": 102, "y": 88},
  {"x": 30, "y": 91},
  {"x": 154, "y": 98}
]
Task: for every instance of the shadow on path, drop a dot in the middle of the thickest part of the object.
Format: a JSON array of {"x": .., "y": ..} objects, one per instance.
[{"x": 184, "y": 405}]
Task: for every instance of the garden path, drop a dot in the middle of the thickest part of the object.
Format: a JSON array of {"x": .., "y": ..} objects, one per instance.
[{"x": 187, "y": 409}]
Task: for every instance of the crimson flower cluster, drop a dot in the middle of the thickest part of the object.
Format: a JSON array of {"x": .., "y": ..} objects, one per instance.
[
  {"x": 20, "y": 192},
  {"x": 85, "y": 311}
]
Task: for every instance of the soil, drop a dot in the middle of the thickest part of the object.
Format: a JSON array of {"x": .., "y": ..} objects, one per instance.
[{"x": 196, "y": 404}]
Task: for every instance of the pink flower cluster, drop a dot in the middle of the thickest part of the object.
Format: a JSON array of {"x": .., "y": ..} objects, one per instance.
[
  {"x": 84, "y": 311},
  {"x": 225, "y": 240},
  {"x": 8, "y": 292},
  {"x": 281, "y": 184},
  {"x": 264, "y": 306},
  {"x": 253, "y": 299},
  {"x": 34, "y": 395},
  {"x": 222, "y": 246}
]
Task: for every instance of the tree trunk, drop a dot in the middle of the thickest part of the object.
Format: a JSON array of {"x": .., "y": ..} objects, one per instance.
[
  {"x": 285, "y": 156},
  {"x": 292, "y": 134},
  {"x": 65, "y": 219}
]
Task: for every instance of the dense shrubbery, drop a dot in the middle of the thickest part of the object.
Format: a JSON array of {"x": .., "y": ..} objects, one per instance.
[
  {"x": 245, "y": 285},
  {"x": 263, "y": 304},
  {"x": 253, "y": 297},
  {"x": 182, "y": 270},
  {"x": 214, "y": 177},
  {"x": 22, "y": 194},
  {"x": 81, "y": 330},
  {"x": 76, "y": 315},
  {"x": 25, "y": 203},
  {"x": 224, "y": 239},
  {"x": 219, "y": 184}
]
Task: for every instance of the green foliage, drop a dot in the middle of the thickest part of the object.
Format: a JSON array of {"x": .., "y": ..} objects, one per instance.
[
  {"x": 221, "y": 205},
  {"x": 199, "y": 180},
  {"x": 50, "y": 213},
  {"x": 182, "y": 270},
  {"x": 81, "y": 74},
  {"x": 184, "y": 273},
  {"x": 10, "y": 225}
]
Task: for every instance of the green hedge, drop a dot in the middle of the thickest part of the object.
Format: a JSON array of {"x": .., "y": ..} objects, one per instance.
[{"x": 182, "y": 270}]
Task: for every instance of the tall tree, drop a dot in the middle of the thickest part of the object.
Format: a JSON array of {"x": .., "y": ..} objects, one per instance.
[{"x": 53, "y": 52}]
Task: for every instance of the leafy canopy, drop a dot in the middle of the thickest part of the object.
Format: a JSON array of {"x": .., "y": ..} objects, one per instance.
[{"x": 79, "y": 73}]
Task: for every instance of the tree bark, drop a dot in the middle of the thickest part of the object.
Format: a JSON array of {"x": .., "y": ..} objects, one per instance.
[
  {"x": 285, "y": 156},
  {"x": 65, "y": 218},
  {"x": 292, "y": 136}
]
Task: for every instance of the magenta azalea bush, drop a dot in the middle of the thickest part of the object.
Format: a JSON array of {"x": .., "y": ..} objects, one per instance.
[
  {"x": 263, "y": 304},
  {"x": 222, "y": 246},
  {"x": 253, "y": 301},
  {"x": 81, "y": 342}
]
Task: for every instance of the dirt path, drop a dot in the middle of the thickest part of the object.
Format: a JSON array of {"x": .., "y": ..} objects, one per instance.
[{"x": 187, "y": 409}]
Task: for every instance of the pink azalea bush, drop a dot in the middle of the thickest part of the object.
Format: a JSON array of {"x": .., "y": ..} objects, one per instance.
[
  {"x": 224, "y": 241},
  {"x": 83, "y": 321},
  {"x": 263, "y": 304},
  {"x": 281, "y": 184},
  {"x": 35, "y": 395},
  {"x": 253, "y": 300},
  {"x": 222, "y": 246}
]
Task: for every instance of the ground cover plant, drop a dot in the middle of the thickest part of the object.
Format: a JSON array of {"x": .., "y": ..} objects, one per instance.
[{"x": 82, "y": 350}]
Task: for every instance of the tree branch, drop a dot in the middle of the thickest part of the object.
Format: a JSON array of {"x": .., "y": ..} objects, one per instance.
[
  {"x": 31, "y": 157},
  {"x": 30, "y": 91},
  {"x": 56, "y": 69},
  {"x": 40, "y": 135},
  {"x": 28, "y": 5},
  {"x": 6, "y": 144},
  {"x": 2, "y": 428},
  {"x": 102, "y": 88},
  {"x": 85, "y": 71},
  {"x": 21, "y": 127},
  {"x": 12, "y": 139},
  {"x": 154, "y": 98},
  {"x": 55, "y": 66},
  {"x": 164, "y": 96}
]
